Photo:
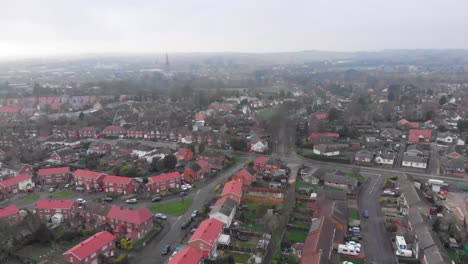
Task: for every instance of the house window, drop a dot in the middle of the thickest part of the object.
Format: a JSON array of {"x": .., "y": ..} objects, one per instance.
[
  {"x": 93, "y": 255},
  {"x": 104, "y": 247}
]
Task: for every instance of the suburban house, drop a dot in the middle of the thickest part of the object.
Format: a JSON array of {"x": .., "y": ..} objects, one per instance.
[
  {"x": 364, "y": 156},
  {"x": 87, "y": 132},
  {"x": 136, "y": 222},
  {"x": 63, "y": 156},
  {"x": 447, "y": 137},
  {"x": 420, "y": 135},
  {"x": 323, "y": 138},
  {"x": 184, "y": 154},
  {"x": 318, "y": 247},
  {"x": 307, "y": 175},
  {"x": 390, "y": 133},
  {"x": 136, "y": 132},
  {"x": 54, "y": 175},
  {"x": 385, "y": 158},
  {"x": 328, "y": 150},
  {"x": 224, "y": 210},
  {"x": 416, "y": 150},
  {"x": 245, "y": 177},
  {"x": 341, "y": 181},
  {"x": 259, "y": 146},
  {"x": 187, "y": 255},
  {"x": 455, "y": 152},
  {"x": 114, "y": 131},
  {"x": 205, "y": 238},
  {"x": 119, "y": 184},
  {"x": 163, "y": 182},
  {"x": 99, "y": 147},
  {"x": 95, "y": 214},
  {"x": 9, "y": 215},
  {"x": 196, "y": 170},
  {"x": 88, "y": 251},
  {"x": 215, "y": 158},
  {"x": 271, "y": 164},
  {"x": 90, "y": 180},
  {"x": 46, "y": 209},
  {"x": 16, "y": 184},
  {"x": 233, "y": 189},
  {"x": 457, "y": 167},
  {"x": 414, "y": 161}
]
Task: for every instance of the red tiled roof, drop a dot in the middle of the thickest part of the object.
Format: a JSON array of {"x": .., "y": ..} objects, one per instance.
[
  {"x": 54, "y": 204},
  {"x": 415, "y": 134},
  {"x": 50, "y": 171},
  {"x": 321, "y": 116},
  {"x": 127, "y": 215},
  {"x": 91, "y": 245},
  {"x": 114, "y": 128},
  {"x": 88, "y": 174},
  {"x": 10, "y": 110},
  {"x": 314, "y": 135},
  {"x": 184, "y": 151},
  {"x": 203, "y": 163},
  {"x": 208, "y": 231},
  {"x": 413, "y": 124},
  {"x": 187, "y": 255},
  {"x": 164, "y": 177},
  {"x": 220, "y": 201},
  {"x": 117, "y": 179},
  {"x": 244, "y": 174},
  {"x": 233, "y": 187},
  {"x": 15, "y": 180},
  {"x": 260, "y": 160},
  {"x": 9, "y": 210}
]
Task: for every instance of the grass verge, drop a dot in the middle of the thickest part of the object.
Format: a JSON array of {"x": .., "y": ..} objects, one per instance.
[{"x": 173, "y": 208}]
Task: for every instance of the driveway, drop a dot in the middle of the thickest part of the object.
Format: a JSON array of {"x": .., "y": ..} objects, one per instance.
[
  {"x": 151, "y": 253},
  {"x": 377, "y": 245}
]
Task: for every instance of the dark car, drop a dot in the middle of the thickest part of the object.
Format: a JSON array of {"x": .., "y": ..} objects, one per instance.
[
  {"x": 108, "y": 199},
  {"x": 365, "y": 214},
  {"x": 165, "y": 250},
  {"x": 185, "y": 224},
  {"x": 242, "y": 238},
  {"x": 156, "y": 199}
]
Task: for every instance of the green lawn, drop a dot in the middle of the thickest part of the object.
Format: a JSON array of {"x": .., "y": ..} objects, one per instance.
[
  {"x": 62, "y": 195},
  {"x": 353, "y": 214},
  {"x": 453, "y": 255},
  {"x": 238, "y": 257},
  {"x": 30, "y": 197},
  {"x": 173, "y": 208},
  {"x": 297, "y": 236},
  {"x": 304, "y": 185},
  {"x": 355, "y": 261}
]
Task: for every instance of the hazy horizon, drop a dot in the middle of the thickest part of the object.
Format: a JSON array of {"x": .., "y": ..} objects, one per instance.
[{"x": 80, "y": 28}]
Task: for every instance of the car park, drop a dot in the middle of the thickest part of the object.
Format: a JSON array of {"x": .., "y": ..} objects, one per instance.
[{"x": 131, "y": 201}]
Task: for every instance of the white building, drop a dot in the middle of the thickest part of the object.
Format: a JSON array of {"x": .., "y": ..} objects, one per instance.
[
  {"x": 414, "y": 162},
  {"x": 225, "y": 211}
]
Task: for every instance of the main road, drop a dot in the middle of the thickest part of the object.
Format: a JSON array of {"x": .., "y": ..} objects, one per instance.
[{"x": 173, "y": 234}]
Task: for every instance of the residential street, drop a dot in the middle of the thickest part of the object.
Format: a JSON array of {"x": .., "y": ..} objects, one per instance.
[{"x": 151, "y": 253}]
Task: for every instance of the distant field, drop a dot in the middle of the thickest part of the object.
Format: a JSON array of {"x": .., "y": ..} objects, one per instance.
[{"x": 173, "y": 208}]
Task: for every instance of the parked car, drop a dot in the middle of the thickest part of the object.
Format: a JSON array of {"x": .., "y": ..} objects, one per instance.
[
  {"x": 108, "y": 199},
  {"x": 51, "y": 190},
  {"x": 81, "y": 201},
  {"x": 156, "y": 198},
  {"x": 185, "y": 224},
  {"x": 365, "y": 214},
  {"x": 194, "y": 213},
  {"x": 352, "y": 238},
  {"x": 193, "y": 230},
  {"x": 131, "y": 201},
  {"x": 183, "y": 193},
  {"x": 242, "y": 238},
  {"x": 355, "y": 244},
  {"x": 79, "y": 188},
  {"x": 68, "y": 185},
  {"x": 165, "y": 250},
  {"x": 161, "y": 216}
]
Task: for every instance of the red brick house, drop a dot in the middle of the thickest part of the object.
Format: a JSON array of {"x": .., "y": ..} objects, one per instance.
[
  {"x": 163, "y": 182},
  {"x": 88, "y": 251},
  {"x": 114, "y": 131},
  {"x": 99, "y": 147},
  {"x": 95, "y": 214},
  {"x": 196, "y": 170},
  {"x": 45, "y": 209},
  {"x": 54, "y": 175},
  {"x": 118, "y": 184},
  {"x": 205, "y": 238},
  {"x": 184, "y": 154},
  {"x": 87, "y": 132},
  {"x": 245, "y": 177},
  {"x": 63, "y": 156},
  {"x": 25, "y": 169},
  {"x": 214, "y": 158},
  {"x": 90, "y": 180},
  {"x": 187, "y": 255},
  {"x": 265, "y": 164},
  {"x": 10, "y": 215},
  {"x": 233, "y": 190},
  {"x": 16, "y": 184},
  {"x": 126, "y": 220}
]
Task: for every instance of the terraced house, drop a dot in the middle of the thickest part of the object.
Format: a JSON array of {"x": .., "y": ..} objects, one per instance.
[{"x": 54, "y": 175}]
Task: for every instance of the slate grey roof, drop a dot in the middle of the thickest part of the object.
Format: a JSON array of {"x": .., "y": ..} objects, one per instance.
[
  {"x": 226, "y": 208},
  {"x": 338, "y": 179},
  {"x": 418, "y": 159}
]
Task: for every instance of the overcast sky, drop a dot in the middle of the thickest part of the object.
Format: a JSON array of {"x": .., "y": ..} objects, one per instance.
[{"x": 51, "y": 27}]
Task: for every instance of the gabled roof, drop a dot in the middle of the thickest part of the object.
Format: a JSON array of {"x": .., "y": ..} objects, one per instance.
[
  {"x": 320, "y": 240},
  {"x": 9, "y": 210},
  {"x": 164, "y": 177},
  {"x": 54, "y": 204},
  {"x": 195, "y": 167},
  {"x": 203, "y": 164},
  {"x": 15, "y": 180},
  {"x": 50, "y": 171},
  {"x": 127, "y": 215},
  {"x": 98, "y": 209},
  {"x": 91, "y": 245},
  {"x": 225, "y": 207},
  {"x": 88, "y": 174},
  {"x": 261, "y": 160},
  {"x": 232, "y": 187},
  {"x": 114, "y": 128},
  {"x": 314, "y": 135},
  {"x": 244, "y": 174},
  {"x": 416, "y": 134},
  {"x": 208, "y": 231},
  {"x": 187, "y": 255},
  {"x": 117, "y": 179}
]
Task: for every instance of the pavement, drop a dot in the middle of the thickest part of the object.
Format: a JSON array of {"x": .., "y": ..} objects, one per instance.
[{"x": 173, "y": 234}]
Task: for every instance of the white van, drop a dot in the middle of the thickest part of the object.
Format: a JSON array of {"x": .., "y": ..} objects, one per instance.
[{"x": 347, "y": 250}]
